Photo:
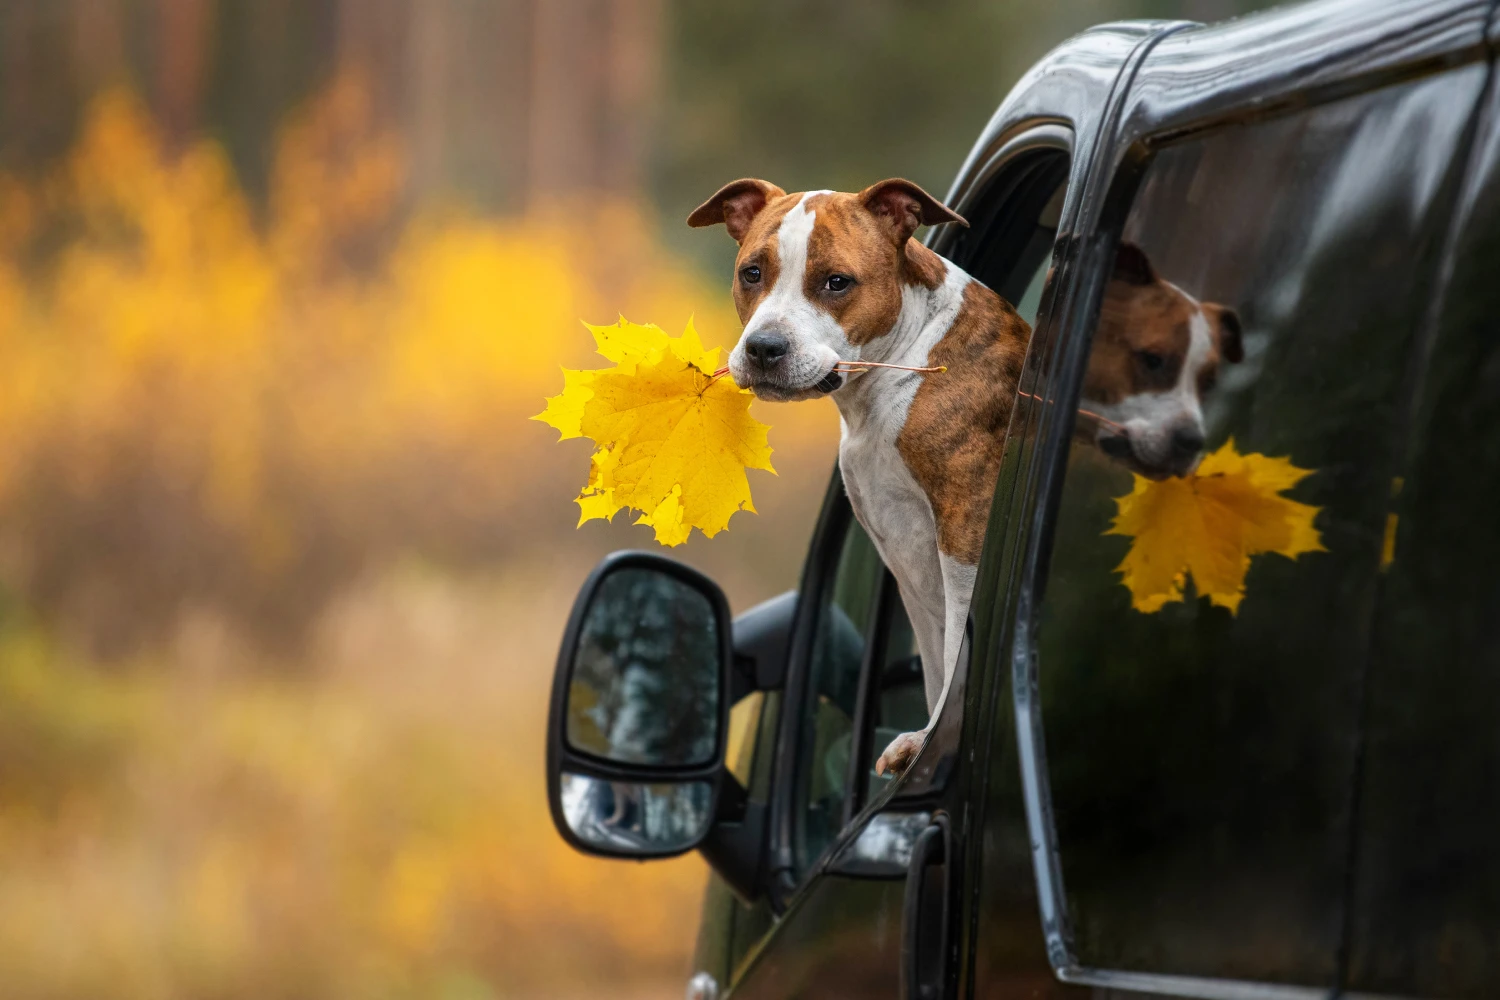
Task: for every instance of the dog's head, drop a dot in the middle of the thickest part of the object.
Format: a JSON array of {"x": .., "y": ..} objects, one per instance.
[
  {"x": 818, "y": 275},
  {"x": 1156, "y": 354}
]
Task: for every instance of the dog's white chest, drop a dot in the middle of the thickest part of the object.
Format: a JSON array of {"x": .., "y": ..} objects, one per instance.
[{"x": 888, "y": 501}]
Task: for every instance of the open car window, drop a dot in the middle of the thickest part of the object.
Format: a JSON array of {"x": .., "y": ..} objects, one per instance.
[{"x": 865, "y": 676}]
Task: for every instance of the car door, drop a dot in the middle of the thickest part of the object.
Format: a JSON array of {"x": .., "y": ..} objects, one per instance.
[
  {"x": 1184, "y": 770},
  {"x": 1425, "y": 908},
  {"x": 838, "y": 914}
]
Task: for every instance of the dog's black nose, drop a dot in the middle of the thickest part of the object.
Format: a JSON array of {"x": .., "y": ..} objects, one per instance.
[
  {"x": 766, "y": 347},
  {"x": 1187, "y": 441}
]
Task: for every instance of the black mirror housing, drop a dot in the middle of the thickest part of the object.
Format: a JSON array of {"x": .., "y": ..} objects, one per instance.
[{"x": 640, "y": 710}]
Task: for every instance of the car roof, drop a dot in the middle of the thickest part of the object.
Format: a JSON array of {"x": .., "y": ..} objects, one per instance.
[
  {"x": 1263, "y": 64},
  {"x": 1128, "y": 81}
]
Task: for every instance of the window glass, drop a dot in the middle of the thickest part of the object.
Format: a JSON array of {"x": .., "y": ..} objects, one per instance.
[
  {"x": 752, "y": 735},
  {"x": 1426, "y": 909},
  {"x": 846, "y": 609},
  {"x": 1203, "y": 632},
  {"x": 1043, "y": 237},
  {"x": 749, "y": 923},
  {"x": 744, "y": 723},
  {"x": 1013, "y": 226},
  {"x": 728, "y": 927},
  {"x": 898, "y": 698}
]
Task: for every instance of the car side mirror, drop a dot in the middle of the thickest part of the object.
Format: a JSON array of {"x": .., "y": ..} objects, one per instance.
[{"x": 635, "y": 741}]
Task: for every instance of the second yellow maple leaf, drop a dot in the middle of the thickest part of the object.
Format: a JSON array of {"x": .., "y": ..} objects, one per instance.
[
  {"x": 673, "y": 442},
  {"x": 1208, "y": 525}
]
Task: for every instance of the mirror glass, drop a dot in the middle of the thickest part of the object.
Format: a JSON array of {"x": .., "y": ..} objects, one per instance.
[
  {"x": 645, "y": 682},
  {"x": 630, "y": 817}
]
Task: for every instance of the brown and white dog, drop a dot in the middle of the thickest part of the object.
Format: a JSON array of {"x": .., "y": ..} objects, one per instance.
[{"x": 825, "y": 279}]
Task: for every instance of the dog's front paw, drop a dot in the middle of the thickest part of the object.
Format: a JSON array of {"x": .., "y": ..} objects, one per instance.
[{"x": 902, "y": 751}]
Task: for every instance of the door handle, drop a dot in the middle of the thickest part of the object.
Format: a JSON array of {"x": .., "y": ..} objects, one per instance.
[{"x": 924, "y": 914}]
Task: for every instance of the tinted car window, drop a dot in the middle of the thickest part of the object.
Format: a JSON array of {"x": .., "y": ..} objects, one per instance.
[
  {"x": 846, "y": 609},
  {"x": 898, "y": 699},
  {"x": 1200, "y": 740},
  {"x": 1426, "y": 909},
  {"x": 729, "y": 927},
  {"x": 862, "y": 627}
]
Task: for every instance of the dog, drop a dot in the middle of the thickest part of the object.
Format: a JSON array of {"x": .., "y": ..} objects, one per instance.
[{"x": 827, "y": 281}]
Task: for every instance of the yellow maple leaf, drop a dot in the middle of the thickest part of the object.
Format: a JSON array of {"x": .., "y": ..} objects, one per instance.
[
  {"x": 1209, "y": 524},
  {"x": 673, "y": 442}
]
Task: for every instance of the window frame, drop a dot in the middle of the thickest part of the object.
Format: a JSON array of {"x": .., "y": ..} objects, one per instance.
[
  {"x": 1115, "y": 182},
  {"x": 1030, "y": 139},
  {"x": 920, "y": 784}
]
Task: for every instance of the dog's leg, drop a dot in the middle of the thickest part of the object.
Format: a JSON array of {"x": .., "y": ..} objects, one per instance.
[
  {"x": 939, "y": 639},
  {"x": 925, "y": 611},
  {"x": 958, "y": 590}
]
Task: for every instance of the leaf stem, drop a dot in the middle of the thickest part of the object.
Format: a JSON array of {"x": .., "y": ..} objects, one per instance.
[
  {"x": 1087, "y": 413},
  {"x": 851, "y": 367},
  {"x": 861, "y": 366}
]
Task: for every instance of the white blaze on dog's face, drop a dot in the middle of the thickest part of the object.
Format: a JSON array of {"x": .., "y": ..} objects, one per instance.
[
  {"x": 818, "y": 275},
  {"x": 1156, "y": 353}
]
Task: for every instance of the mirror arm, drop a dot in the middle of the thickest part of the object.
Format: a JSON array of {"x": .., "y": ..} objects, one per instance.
[
  {"x": 733, "y": 799},
  {"x": 762, "y": 636},
  {"x": 742, "y": 680},
  {"x": 734, "y": 847}
]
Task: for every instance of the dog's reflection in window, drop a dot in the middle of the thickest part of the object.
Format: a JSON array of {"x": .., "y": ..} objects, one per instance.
[{"x": 1156, "y": 355}]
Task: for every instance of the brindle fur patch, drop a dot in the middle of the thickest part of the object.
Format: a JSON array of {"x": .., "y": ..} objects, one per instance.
[
  {"x": 923, "y": 267},
  {"x": 955, "y": 429},
  {"x": 847, "y": 238}
]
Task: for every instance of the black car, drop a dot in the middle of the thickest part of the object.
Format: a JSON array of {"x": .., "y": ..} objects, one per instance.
[{"x": 1294, "y": 797}]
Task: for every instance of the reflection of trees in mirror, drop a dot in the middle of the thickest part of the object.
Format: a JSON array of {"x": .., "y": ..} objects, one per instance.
[
  {"x": 645, "y": 678},
  {"x": 633, "y": 817}
]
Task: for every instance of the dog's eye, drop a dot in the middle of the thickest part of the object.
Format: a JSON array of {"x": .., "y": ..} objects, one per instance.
[
  {"x": 838, "y": 282},
  {"x": 1150, "y": 360},
  {"x": 750, "y": 275}
]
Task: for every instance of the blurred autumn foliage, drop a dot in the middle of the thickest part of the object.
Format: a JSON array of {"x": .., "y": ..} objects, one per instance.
[
  {"x": 167, "y": 834},
  {"x": 287, "y": 566},
  {"x": 203, "y": 407}
]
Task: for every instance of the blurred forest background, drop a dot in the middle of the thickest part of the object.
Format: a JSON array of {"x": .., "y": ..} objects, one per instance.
[{"x": 282, "y": 563}]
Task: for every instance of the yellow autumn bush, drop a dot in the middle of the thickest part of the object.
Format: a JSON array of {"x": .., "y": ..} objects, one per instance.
[
  {"x": 209, "y": 406},
  {"x": 302, "y": 420}
]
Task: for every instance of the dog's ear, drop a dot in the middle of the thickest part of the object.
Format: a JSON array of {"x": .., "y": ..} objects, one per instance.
[
  {"x": 736, "y": 204},
  {"x": 1231, "y": 342},
  {"x": 1132, "y": 266},
  {"x": 903, "y": 206}
]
